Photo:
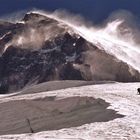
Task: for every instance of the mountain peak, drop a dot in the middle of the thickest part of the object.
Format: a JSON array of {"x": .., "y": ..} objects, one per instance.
[
  {"x": 33, "y": 17},
  {"x": 45, "y": 49},
  {"x": 39, "y": 19}
]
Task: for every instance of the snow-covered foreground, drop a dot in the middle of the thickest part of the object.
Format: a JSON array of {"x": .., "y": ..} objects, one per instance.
[{"x": 82, "y": 118}]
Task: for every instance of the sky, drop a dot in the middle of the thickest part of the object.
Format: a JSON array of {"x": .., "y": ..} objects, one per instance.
[{"x": 95, "y": 10}]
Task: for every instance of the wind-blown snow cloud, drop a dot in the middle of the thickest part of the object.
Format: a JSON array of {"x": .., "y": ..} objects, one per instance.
[{"x": 118, "y": 36}]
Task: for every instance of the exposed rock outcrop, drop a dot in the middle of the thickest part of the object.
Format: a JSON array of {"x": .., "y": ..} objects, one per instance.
[{"x": 42, "y": 49}]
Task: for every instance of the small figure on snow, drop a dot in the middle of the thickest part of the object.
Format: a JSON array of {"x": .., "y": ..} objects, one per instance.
[{"x": 138, "y": 90}]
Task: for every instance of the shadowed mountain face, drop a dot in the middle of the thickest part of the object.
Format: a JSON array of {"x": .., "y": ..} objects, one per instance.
[
  {"x": 41, "y": 49},
  {"x": 51, "y": 113}
]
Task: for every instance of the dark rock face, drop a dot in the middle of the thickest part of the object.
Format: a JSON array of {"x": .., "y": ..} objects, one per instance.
[
  {"x": 53, "y": 61},
  {"x": 64, "y": 56},
  {"x": 6, "y": 27}
]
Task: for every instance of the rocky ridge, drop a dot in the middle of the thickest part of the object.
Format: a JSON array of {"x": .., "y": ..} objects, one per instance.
[{"x": 40, "y": 49}]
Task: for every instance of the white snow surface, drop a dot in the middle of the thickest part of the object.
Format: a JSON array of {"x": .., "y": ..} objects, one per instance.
[{"x": 122, "y": 97}]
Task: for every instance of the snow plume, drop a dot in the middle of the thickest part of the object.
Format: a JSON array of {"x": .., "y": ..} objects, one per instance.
[
  {"x": 29, "y": 38},
  {"x": 34, "y": 36},
  {"x": 118, "y": 36}
]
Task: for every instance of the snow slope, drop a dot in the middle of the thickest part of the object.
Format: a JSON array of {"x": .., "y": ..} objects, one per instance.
[{"x": 117, "y": 102}]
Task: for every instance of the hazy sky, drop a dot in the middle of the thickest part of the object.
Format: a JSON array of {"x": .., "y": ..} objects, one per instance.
[{"x": 96, "y": 10}]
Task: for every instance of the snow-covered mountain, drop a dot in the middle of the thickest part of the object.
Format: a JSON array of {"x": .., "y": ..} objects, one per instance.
[
  {"x": 65, "y": 76},
  {"x": 43, "y": 47}
]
